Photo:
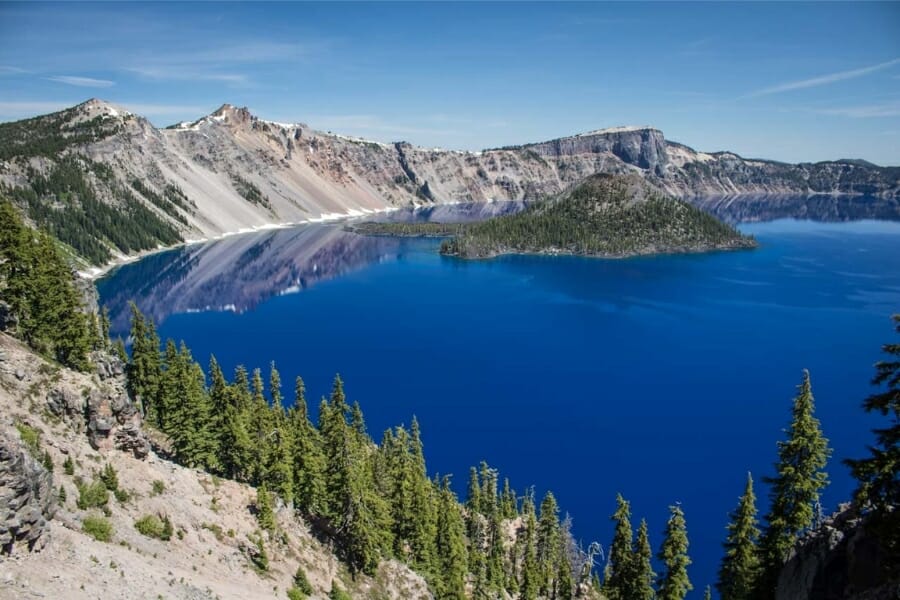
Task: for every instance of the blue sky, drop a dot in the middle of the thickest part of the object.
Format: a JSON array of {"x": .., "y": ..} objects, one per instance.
[{"x": 793, "y": 82}]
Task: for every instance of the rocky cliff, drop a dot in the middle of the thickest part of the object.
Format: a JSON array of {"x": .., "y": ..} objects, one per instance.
[
  {"x": 232, "y": 171},
  {"x": 51, "y": 545},
  {"x": 840, "y": 560}
]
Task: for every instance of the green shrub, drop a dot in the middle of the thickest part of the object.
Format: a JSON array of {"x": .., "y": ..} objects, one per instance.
[
  {"x": 92, "y": 495},
  {"x": 158, "y": 487},
  {"x": 215, "y": 528},
  {"x": 301, "y": 582},
  {"x": 337, "y": 593},
  {"x": 154, "y": 527},
  {"x": 122, "y": 495},
  {"x": 261, "y": 558},
  {"x": 98, "y": 528},
  {"x": 47, "y": 461},
  {"x": 31, "y": 437},
  {"x": 62, "y": 495},
  {"x": 109, "y": 477},
  {"x": 69, "y": 466},
  {"x": 296, "y": 594}
]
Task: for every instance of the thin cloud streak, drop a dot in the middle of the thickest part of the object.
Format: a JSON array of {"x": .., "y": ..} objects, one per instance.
[
  {"x": 870, "y": 111},
  {"x": 823, "y": 80},
  {"x": 82, "y": 81}
]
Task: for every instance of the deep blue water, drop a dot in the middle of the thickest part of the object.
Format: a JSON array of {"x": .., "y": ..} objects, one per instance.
[{"x": 663, "y": 378}]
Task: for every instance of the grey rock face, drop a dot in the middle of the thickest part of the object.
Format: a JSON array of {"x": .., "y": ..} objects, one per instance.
[
  {"x": 113, "y": 421},
  {"x": 68, "y": 405},
  {"x": 644, "y": 148},
  {"x": 839, "y": 560},
  {"x": 27, "y": 501}
]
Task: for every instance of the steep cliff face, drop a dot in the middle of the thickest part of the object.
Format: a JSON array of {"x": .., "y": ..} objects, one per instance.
[
  {"x": 232, "y": 171},
  {"x": 840, "y": 560},
  {"x": 27, "y": 501}
]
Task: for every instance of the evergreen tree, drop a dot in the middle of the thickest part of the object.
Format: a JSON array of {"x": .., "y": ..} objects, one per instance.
[
  {"x": 424, "y": 531},
  {"x": 531, "y": 573},
  {"x": 549, "y": 544},
  {"x": 264, "y": 513},
  {"x": 279, "y": 466},
  {"x": 189, "y": 413},
  {"x": 450, "y": 546},
  {"x": 707, "y": 595},
  {"x": 309, "y": 462},
  {"x": 219, "y": 402},
  {"x": 795, "y": 489},
  {"x": 238, "y": 446},
  {"x": 879, "y": 473},
  {"x": 618, "y": 576},
  {"x": 740, "y": 565},
  {"x": 674, "y": 583},
  {"x": 144, "y": 370},
  {"x": 39, "y": 286},
  {"x": 508, "y": 501},
  {"x": 641, "y": 583},
  {"x": 261, "y": 429}
]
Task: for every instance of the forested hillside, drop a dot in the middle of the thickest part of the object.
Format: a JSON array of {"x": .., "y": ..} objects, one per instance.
[{"x": 605, "y": 215}]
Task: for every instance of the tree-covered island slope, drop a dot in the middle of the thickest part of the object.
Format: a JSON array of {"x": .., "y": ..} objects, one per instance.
[{"x": 609, "y": 216}]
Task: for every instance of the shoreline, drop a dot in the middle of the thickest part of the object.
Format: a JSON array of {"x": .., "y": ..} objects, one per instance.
[{"x": 94, "y": 273}]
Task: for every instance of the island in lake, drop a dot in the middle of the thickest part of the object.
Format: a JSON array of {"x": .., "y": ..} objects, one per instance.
[{"x": 610, "y": 216}]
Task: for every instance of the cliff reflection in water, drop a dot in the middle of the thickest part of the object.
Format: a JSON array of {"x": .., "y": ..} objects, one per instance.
[{"x": 239, "y": 272}]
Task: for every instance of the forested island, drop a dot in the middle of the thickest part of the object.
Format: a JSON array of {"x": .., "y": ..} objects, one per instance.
[{"x": 605, "y": 215}]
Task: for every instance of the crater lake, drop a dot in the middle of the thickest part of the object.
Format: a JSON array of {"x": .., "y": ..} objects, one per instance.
[{"x": 664, "y": 378}]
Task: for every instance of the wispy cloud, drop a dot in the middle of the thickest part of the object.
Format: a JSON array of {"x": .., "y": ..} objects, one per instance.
[
  {"x": 82, "y": 81},
  {"x": 890, "y": 109},
  {"x": 187, "y": 73},
  {"x": 218, "y": 65},
  {"x": 823, "y": 80},
  {"x": 7, "y": 70}
]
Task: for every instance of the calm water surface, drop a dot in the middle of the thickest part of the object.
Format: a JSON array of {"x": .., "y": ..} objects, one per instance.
[{"x": 665, "y": 378}]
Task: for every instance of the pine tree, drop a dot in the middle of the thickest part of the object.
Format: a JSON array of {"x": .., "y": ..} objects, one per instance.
[
  {"x": 508, "y": 501},
  {"x": 264, "y": 513},
  {"x": 795, "y": 488},
  {"x": 238, "y": 446},
  {"x": 39, "y": 286},
  {"x": 450, "y": 546},
  {"x": 261, "y": 429},
  {"x": 674, "y": 583},
  {"x": 643, "y": 575},
  {"x": 279, "y": 466},
  {"x": 144, "y": 370},
  {"x": 618, "y": 576},
  {"x": 879, "y": 474},
  {"x": 309, "y": 462},
  {"x": 531, "y": 573},
  {"x": 740, "y": 565},
  {"x": 424, "y": 531},
  {"x": 549, "y": 544}
]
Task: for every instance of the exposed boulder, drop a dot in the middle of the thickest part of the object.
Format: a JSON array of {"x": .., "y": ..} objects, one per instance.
[
  {"x": 27, "y": 501},
  {"x": 68, "y": 405},
  {"x": 113, "y": 421}
]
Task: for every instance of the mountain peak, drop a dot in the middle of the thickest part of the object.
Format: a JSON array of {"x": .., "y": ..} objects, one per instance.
[{"x": 95, "y": 106}]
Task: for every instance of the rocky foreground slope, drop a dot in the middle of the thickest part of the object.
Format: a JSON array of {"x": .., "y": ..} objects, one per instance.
[
  {"x": 232, "y": 171},
  {"x": 49, "y": 415}
]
